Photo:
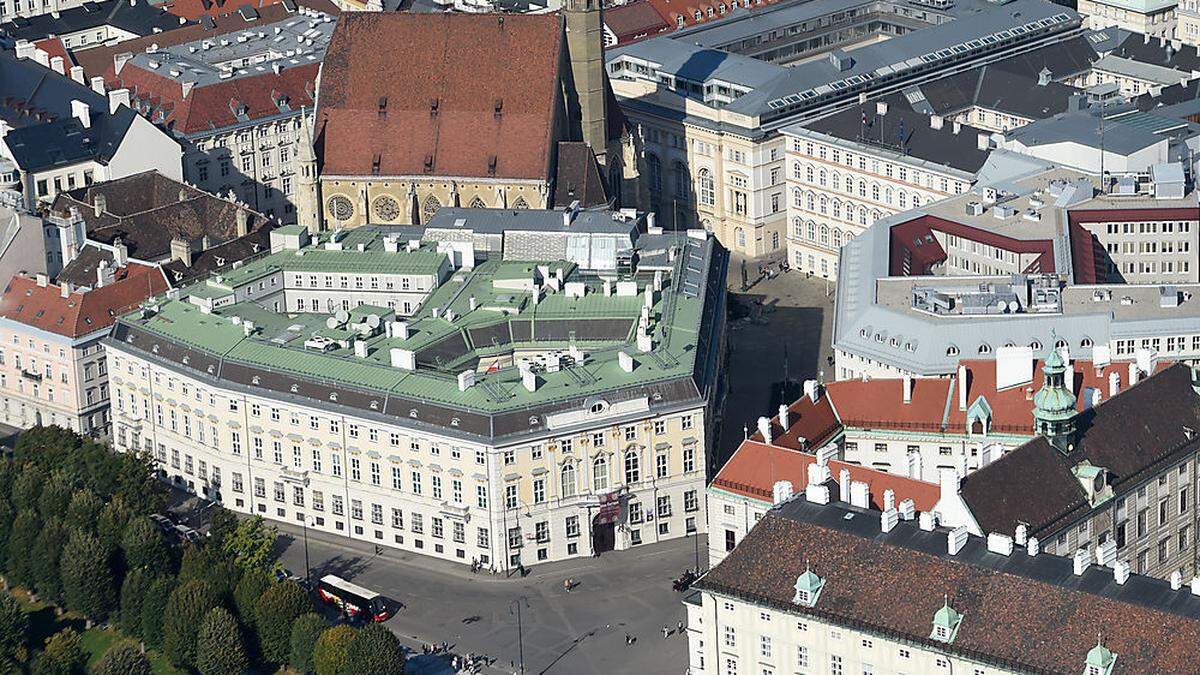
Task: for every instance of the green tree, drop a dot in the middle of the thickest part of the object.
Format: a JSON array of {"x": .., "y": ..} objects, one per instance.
[
  {"x": 306, "y": 629},
  {"x": 219, "y": 649},
  {"x": 329, "y": 653},
  {"x": 87, "y": 579},
  {"x": 54, "y": 498},
  {"x": 145, "y": 548},
  {"x": 181, "y": 623},
  {"x": 252, "y": 544},
  {"x": 154, "y": 610},
  {"x": 14, "y": 628},
  {"x": 84, "y": 510},
  {"x": 204, "y": 563},
  {"x": 111, "y": 523},
  {"x": 124, "y": 658},
  {"x": 27, "y": 487},
  {"x": 25, "y": 529},
  {"x": 63, "y": 655},
  {"x": 221, "y": 524},
  {"x": 274, "y": 612},
  {"x": 375, "y": 650},
  {"x": 45, "y": 556},
  {"x": 6, "y": 526},
  {"x": 134, "y": 590},
  {"x": 245, "y": 597}
]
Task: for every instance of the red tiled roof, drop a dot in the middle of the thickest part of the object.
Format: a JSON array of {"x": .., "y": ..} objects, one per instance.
[
  {"x": 635, "y": 21},
  {"x": 212, "y": 106},
  {"x": 80, "y": 312},
  {"x": 192, "y": 10},
  {"x": 465, "y": 64},
  {"x": 54, "y": 47},
  {"x": 709, "y": 10},
  {"x": 755, "y": 466}
]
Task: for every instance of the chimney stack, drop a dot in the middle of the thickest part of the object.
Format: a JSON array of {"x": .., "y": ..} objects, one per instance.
[
  {"x": 784, "y": 422},
  {"x": 81, "y": 112},
  {"x": 962, "y": 388},
  {"x": 99, "y": 204},
  {"x": 764, "y": 428},
  {"x": 1114, "y": 384},
  {"x": 243, "y": 223},
  {"x": 908, "y": 388},
  {"x": 120, "y": 254},
  {"x": 181, "y": 250},
  {"x": 1121, "y": 572}
]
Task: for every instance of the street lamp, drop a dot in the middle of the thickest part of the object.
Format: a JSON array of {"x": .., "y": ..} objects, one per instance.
[
  {"x": 522, "y": 600},
  {"x": 307, "y": 567}
]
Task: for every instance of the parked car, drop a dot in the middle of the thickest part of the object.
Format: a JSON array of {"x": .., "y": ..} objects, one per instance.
[
  {"x": 164, "y": 523},
  {"x": 187, "y": 535}
]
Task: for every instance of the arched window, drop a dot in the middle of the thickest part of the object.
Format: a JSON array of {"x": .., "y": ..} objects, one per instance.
[
  {"x": 797, "y": 171},
  {"x": 633, "y": 468},
  {"x": 985, "y": 348},
  {"x": 862, "y": 216},
  {"x": 655, "y": 166},
  {"x": 824, "y": 234},
  {"x": 429, "y": 208},
  {"x": 707, "y": 191},
  {"x": 797, "y": 229},
  {"x": 600, "y": 474},
  {"x": 812, "y": 231},
  {"x": 1085, "y": 343},
  {"x": 862, "y": 188},
  {"x": 477, "y": 203},
  {"x": 520, "y": 203},
  {"x": 682, "y": 179},
  {"x": 875, "y": 191},
  {"x": 797, "y": 198},
  {"x": 824, "y": 204},
  {"x": 810, "y": 200},
  {"x": 837, "y": 209},
  {"x": 837, "y": 181},
  {"x": 951, "y": 351},
  {"x": 903, "y": 200},
  {"x": 740, "y": 234},
  {"x": 849, "y": 185},
  {"x": 1060, "y": 343},
  {"x": 1036, "y": 345},
  {"x": 568, "y": 479},
  {"x": 808, "y": 174},
  {"x": 823, "y": 178},
  {"x": 837, "y": 238},
  {"x": 887, "y": 195}
]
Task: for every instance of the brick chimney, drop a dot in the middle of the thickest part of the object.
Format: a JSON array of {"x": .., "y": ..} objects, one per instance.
[
  {"x": 243, "y": 223},
  {"x": 181, "y": 250}
]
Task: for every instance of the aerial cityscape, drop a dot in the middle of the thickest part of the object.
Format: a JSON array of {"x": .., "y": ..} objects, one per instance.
[{"x": 516, "y": 337}]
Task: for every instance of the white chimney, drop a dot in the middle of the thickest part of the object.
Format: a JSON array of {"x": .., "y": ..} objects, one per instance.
[
  {"x": 98, "y": 85},
  {"x": 783, "y": 417},
  {"x": 1022, "y": 534},
  {"x": 360, "y": 349},
  {"x": 860, "y": 494},
  {"x": 466, "y": 380},
  {"x": 908, "y": 509},
  {"x": 844, "y": 485},
  {"x": 936, "y": 121},
  {"x": 889, "y": 499},
  {"x": 983, "y": 141},
  {"x": 76, "y": 74},
  {"x": 927, "y": 521},
  {"x": 1176, "y": 580},
  {"x": 956, "y": 539},
  {"x": 1114, "y": 384},
  {"x": 764, "y": 428},
  {"x": 1133, "y": 374},
  {"x": 908, "y": 388},
  {"x": 1080, "y": 561},
  {"x": 1033, "y": 546},
  {"x": 529, "y": 380},
  {"x": 1106, "y": 553},
  {"x": 881, "y": 108},
  {"x": 962, "y": 388},
  {"x": 817, "y": 494},
  {"x": 888, "y": 520},
  {"x": 82, "y": 112},
  {"x": 58, "y": 65},
  {"x": 1121, "y": 572},
  {"x": 812, "y": 389},
  {"x": 1195, "y": 584},
  {"x": 1000, "y": 543},
  {"x": 403, "y": 358},
  {"x": 400, "y": 330},
  {"x": 818, "y": 474},
  {"x": 116, "y": 99},
  {"x": 781, "y": 491},
  {"x": 626, "y": 361}
]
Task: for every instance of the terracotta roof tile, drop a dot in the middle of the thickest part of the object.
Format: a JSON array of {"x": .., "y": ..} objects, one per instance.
[
  {"x": 465, "y": 63},
  {"x": 80, "y": 313},
  {"x": 635, "y": 21}
]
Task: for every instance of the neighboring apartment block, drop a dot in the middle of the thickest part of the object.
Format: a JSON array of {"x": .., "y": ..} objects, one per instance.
[
  {"x": 548, "y": 392},
  {"x": 52, "y": 364},
  {"x": 832, "y": 589},
  {"x": 84, "y": 25}
]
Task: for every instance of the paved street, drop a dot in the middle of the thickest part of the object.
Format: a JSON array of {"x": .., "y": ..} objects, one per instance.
[
  {"x": 790, "y": 311},
  {"x": 578, "y": 632}
]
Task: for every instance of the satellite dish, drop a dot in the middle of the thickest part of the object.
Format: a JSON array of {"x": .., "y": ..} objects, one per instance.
[
  {"x": 373, "y": 320},
  {"x": 1013, "y": 306},
  {"x": 331, "y": 322},
  {"x": 342, "y": 316}
]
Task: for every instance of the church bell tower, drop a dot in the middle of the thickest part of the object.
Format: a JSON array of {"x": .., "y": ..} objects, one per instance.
[{"x": 585, "y": 44}]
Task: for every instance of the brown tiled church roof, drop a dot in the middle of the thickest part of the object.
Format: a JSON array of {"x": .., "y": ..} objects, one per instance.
[{"x": 440, "y": 95}]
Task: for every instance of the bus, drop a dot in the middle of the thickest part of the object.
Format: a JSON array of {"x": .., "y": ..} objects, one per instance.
[{"x": 354, "y": 601}]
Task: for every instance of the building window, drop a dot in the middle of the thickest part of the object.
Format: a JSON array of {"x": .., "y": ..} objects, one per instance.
[{"x": 633, "y": 468}]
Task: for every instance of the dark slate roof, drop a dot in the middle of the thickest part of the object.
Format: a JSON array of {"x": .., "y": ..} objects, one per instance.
[
  {"x": 921, "y": 141},
  {"x": 1154, "y": 52},
  {"x": 36, "y": 102},
  {"x": 1063, "y": 59},
  {"x": 219, "y": 257},
  {"x": 82, "y": 270},
  {"x": 998, "y": 88},
  {"x": 147, "y": 210},
  {"x": 139, "y": 18},
  {"x": 578, "y": 176},
  {"x": 1135, "y": 435},
  {"x": 1019, "y": 612}
]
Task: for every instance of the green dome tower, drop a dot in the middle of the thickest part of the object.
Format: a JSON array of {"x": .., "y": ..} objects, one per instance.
[{"x": 1054, "y": 405}]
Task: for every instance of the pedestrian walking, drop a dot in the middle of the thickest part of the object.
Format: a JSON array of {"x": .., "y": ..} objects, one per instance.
[
  {"x": 666, "y": 632},
  {"x": 567, "y": 585},
  {"x": 679, "y": 627}
]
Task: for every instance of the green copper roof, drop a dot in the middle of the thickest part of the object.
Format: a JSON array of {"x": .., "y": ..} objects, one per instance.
[
  {"x": 945, "y": 622},
  {"x": 1100, "y": 657},
  {"x": 808, "y": 588}
]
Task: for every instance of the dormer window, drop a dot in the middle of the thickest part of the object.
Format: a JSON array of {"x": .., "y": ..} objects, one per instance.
[
  {"x": 1100, "y": 660},
  {"x": 808, "y": 589}
]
